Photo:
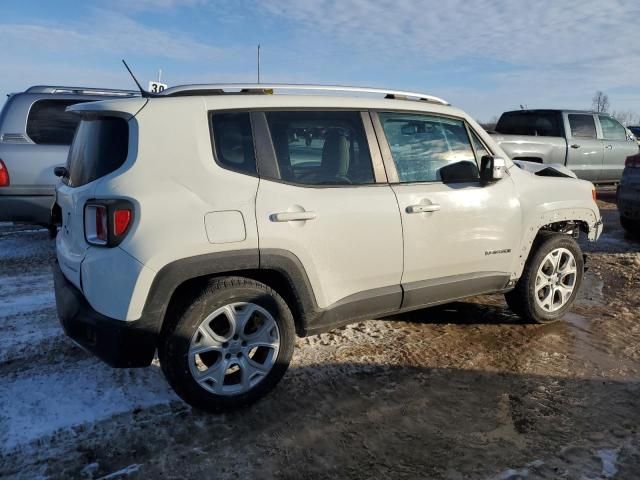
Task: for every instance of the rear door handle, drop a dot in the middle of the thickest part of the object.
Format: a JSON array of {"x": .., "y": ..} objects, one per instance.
[
  {"x": 609, "y": 147},
  {"x": 575, "y": 145},
  {"x": 292, "y": 216},
  {"x": 433, "y": 207}
]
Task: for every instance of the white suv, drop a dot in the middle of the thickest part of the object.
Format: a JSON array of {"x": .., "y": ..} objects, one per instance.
[{"x": 214, "y": 223}]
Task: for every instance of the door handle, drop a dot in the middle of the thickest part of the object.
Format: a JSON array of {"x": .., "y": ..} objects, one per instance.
[
  {"x": 292, "y": 216},
  {"x": 575, "y": 145},
  {"x": 609, "y": 147},
  {"x": 434, "y": 207}
]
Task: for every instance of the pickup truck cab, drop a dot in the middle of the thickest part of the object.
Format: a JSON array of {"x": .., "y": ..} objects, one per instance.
[{"x": 592, "y": 145}]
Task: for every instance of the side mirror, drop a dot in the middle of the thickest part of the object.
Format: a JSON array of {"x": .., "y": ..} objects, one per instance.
[{"x": 491, "y": 169}]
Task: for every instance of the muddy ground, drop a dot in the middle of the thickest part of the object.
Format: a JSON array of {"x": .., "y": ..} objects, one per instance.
[{"x": 463, "y": 391}]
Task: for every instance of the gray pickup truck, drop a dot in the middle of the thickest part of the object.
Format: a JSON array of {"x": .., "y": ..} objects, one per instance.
[{"x": 593, "y": 145}]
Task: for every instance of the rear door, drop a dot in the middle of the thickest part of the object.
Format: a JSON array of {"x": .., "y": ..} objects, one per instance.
[
  {"x": 330, "y": 206},
  {"x": 617, "y": 147},
  {"x": 585, "y": 151},
  {"x": 459, "y": 237}
]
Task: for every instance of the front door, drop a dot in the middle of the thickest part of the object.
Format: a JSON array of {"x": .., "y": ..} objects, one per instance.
[
  {"x": 459, "y": 237},
  {"x": 327, "y": 209},
  {"x": 585, "y": 151},
  {"x": 617, "y": 147}
]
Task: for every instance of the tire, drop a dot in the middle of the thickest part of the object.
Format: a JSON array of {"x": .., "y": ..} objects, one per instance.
[
  {"x": 541, "y": 297},
  {"x": 632, "y": 227},
  {"x": 229, "y": 346}
]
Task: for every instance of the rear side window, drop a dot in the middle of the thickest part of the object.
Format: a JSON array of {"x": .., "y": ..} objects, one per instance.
[
  {"x": 611, "y": 129},
  {"x": 541, "y": 124},
  {"x": 49, "y": 123},
  {"x": 321, "y": 147},
  {"x": 233, "y": 141},
  {"x": 99, "y": 147},
  {"x": 582, "y": 126}
]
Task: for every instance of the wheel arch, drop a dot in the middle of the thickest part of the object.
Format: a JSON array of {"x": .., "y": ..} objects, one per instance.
[
  {"x": 563, "y": 221},
  {"x": 177, "y": 283}
]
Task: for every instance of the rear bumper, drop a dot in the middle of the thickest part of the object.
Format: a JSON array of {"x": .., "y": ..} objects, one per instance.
[
  {"x": 123, "y": 344},
  {"x": 25, "y": 208}
]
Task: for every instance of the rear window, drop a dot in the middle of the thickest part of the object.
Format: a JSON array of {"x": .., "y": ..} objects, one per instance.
[
  {"x": 540, "y": 124},
  {"x": 99, "y": 147},
  {"x": 49, "y": 123}
]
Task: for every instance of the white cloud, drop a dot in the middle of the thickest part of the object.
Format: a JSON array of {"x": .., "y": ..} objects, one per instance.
[{"x": 544, "y": 53}]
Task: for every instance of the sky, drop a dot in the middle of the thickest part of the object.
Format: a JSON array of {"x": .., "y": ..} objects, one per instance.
[{"x": 484, "y": 56}]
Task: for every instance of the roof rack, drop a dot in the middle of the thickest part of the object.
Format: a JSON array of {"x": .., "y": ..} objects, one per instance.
[
  {"x": 81, "y": 90},
  {"x": 266, "y": 88}
]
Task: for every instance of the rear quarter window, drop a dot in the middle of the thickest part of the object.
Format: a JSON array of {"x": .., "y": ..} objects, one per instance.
[
  {"x": 48, "y": 122},
  {"x": 100, "y": 146}
]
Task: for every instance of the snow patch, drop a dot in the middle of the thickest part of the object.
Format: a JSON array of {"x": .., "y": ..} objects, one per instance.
[
  {"x": 609, "y": 458},
  {"x": 126, "y": 471},
  {"x": 41, "y": 401}
]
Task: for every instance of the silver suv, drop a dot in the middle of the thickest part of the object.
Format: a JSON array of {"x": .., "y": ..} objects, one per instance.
[{"x": 35, "y": 134}]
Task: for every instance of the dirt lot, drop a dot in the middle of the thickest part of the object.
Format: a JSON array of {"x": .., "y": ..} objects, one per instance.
[{"x": 460, "y": 391}]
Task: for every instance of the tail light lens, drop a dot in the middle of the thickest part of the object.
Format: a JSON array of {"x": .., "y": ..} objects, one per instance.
[
  {"x": 632, "y": 161},
  {"x": 4, "y": 175},
  {"x": 594, "y": 194},
  {"x": 107, "y": 222}
]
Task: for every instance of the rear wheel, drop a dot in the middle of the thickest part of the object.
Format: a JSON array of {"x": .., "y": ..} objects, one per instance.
[
  {"x": 550, "y": 280},
  {"x": 230, "y": 346}
]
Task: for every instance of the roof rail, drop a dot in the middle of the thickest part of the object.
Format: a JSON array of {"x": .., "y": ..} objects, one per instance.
[
  {"x": 81, "y": 90},
  {"x": 266, "y": 88}
]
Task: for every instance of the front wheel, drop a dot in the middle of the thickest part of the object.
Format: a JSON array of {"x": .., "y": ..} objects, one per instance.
[
  {"x": 550, "y": 280},
  {"x": 230, "y": 346}
]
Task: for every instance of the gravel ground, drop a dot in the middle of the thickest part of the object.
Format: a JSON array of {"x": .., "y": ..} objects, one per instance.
[{"x": 462, "y": 391}]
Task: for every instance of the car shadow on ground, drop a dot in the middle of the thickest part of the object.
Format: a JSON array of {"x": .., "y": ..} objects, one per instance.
[
  {"x": 347, "y": 420},
  {"x": 460, "y": 313}
]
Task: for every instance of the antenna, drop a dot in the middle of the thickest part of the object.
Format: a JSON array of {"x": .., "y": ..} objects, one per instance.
[
  {"x": 143, "y": 92},
  {"x": 258, "y": 63}
]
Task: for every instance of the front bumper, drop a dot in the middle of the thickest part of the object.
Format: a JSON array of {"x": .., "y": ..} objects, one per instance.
[{"x": 119, "y": 343}]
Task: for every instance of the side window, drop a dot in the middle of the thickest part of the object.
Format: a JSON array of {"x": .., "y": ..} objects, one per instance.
[
  {"x": 233, "y": 141},
  {"x": 428, "y": 148},
  {"x": 611, "y": 129},
  {"x": 321, "y": 147},
  {"x": 582, "y": 126},
  {"x": 48, "y": 123}
]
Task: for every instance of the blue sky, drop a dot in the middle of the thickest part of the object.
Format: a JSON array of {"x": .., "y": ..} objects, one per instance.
[{"x": 485, "y": 56}]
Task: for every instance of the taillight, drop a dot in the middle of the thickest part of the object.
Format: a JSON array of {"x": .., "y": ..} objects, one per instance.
[
  {"x": 4, "y": 175},
  {"x": 632, "y": 161},
  {"x": 121, "y": 219},
  {"x": 106, "y": 222},
  {"x": 594, "y": 195}
]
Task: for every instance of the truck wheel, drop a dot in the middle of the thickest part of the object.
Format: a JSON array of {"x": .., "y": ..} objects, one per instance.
[
  {"x": 230, "y": 346},
  {"x": 550, "y": 280}
]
